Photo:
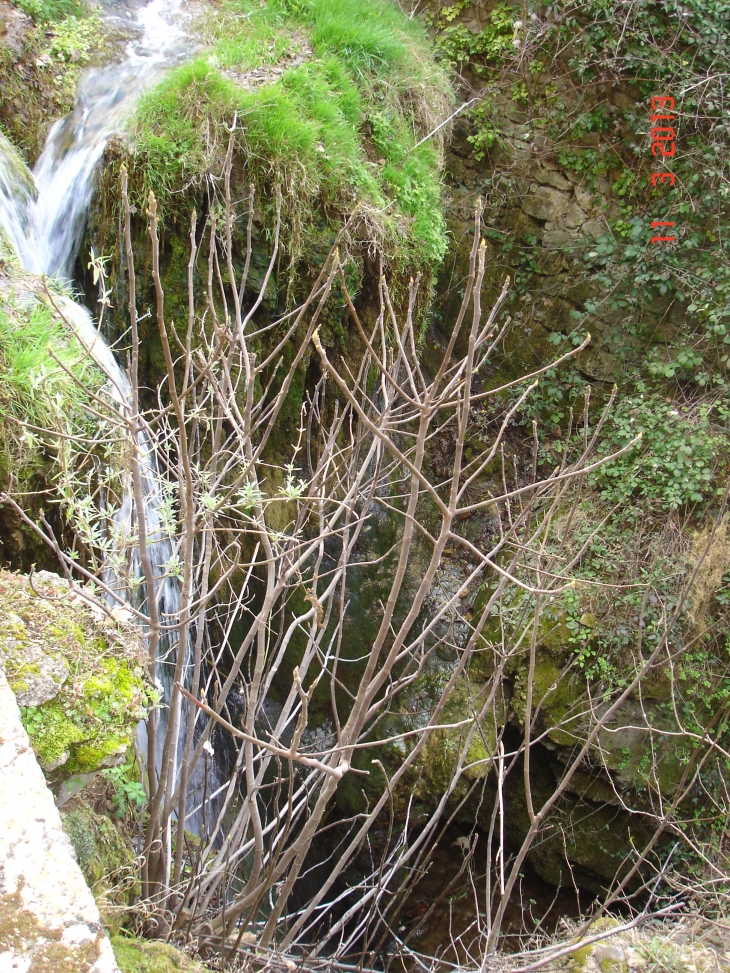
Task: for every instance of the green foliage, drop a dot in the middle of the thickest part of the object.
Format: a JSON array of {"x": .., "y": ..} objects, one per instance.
[
  {"x": 129, "y": 795},
  {"x": 495, "y": 43},
  {"x": 681, "y": 454},
  {"x": 341, "y": 97},
  {"x": 72, "y": 43},
  {"x": 51, "y": 11},
  {"x": 486, "y": 130},
  {"x": 44, "y": 378},
  {"x": 677, "y": 459},
  {"x": 660, "y": 53},
  {"x": 584, "y": 81},
  {"x": 90, "y": 720}
]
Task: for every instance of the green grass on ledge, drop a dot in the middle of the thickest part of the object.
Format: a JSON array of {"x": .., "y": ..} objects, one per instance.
[
  {"x": 331, "y": 99},
  {"x": 37, "y": 358}
]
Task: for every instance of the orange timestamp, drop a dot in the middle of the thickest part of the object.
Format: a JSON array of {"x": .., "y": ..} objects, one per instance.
[{"x": 663, "y": 146}]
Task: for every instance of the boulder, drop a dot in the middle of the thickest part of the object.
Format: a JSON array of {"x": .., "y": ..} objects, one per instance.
[
  {"x": 37, "y": 675},
  {"x": 545, "y": 203},
  {"x": 48, "y": 918},
  {"x": 77, "y": 674}
]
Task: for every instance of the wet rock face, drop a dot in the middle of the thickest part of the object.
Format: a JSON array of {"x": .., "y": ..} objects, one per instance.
[
  {"x": 533, "y": 209},
  {"x": 48, "y": 918},
  {"x": 539, "y": 216},
  {"x": 14, "y": 26},
  {"x": 28, "y": 88}
]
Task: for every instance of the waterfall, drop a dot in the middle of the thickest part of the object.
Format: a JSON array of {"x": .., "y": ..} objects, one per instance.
[
  {"x": 17, "y": 193},
  {"x": 43, "y": 216},
  {"x": 64, "y": 174}
]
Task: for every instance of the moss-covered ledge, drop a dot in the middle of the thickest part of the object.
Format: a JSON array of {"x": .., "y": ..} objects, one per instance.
[
  {"x": 77, "y": 674},
  {"x": 152, "y": 956}
]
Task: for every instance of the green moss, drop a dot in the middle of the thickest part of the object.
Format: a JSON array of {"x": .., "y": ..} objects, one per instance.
[
  {"x": 149, "y": 956},
  {"x": 438, "y": 757},
  {"x": 579, "y": 957},
  {"x": 102, "y": 695},
  {"x": 51, "y": 731},
  {"x": 91, "y": 721},
  {"x": 104, "y": 856},
  {"x": 347, "y": 94},
  {"x": 38, "y": 362},
  {"x": 88, "y": 756},
  {"x": 557, "y": 695}
]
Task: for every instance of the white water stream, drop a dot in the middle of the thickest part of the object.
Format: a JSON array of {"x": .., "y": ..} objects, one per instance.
[
  {"x": 43, "y": 216},
  {"x": 46, "y": 230}
]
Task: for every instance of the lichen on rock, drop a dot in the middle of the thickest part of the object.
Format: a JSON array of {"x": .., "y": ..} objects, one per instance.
[{"x": 77, "y": 674}]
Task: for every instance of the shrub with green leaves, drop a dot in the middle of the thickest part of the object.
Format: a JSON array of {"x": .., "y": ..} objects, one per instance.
[
  {"x": 456, "y": 43},
  {"x": 677, "y": 459}
]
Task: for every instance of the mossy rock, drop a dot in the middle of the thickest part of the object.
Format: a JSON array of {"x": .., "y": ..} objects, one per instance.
[
  {"x": 437, "y": 759},
  {"x": 84, "y": 671},
  {"x": 556, "y": 695},
  {"x": 105, "y": 858},
  {"x": 152, "y": 956}
]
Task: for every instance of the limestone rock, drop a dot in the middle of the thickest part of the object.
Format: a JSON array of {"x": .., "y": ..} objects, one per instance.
[
  {"x": 599, "y": 365},
  {"x": 610, "y": 956},
  {"x": 634, "y": 959},
  {"x": 654, "y": 945},
  {"x": 583, "y": 198},
  {"x": 548, "y": 177},
  {"x": 574, "y": 217},
  {"x": 78, "y": 674},
  {"x": 48, "y": 917},
  {"x": 555, "y": 237},
  {"x": 545, "y": 203},
  {"x": 593, "y": 229},
  {"x": 37, "y": 675}
]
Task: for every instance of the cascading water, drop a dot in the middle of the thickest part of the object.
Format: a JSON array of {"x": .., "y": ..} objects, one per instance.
[
  {"x": 43, "y": 217},
  {"x": 64, "y": 174},
  {"x": 17, "y": 193}
]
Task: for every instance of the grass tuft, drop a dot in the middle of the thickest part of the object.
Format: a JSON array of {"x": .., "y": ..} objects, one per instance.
[
  {"x": 331, "y": 100},
  {"x": 37, "y": 362},
  {"x": 32, "y": 379},
  {"x": 51, "y": 11}
]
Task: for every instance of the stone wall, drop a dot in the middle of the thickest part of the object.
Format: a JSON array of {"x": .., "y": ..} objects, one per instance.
[{"x": 48, "y": 918}]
